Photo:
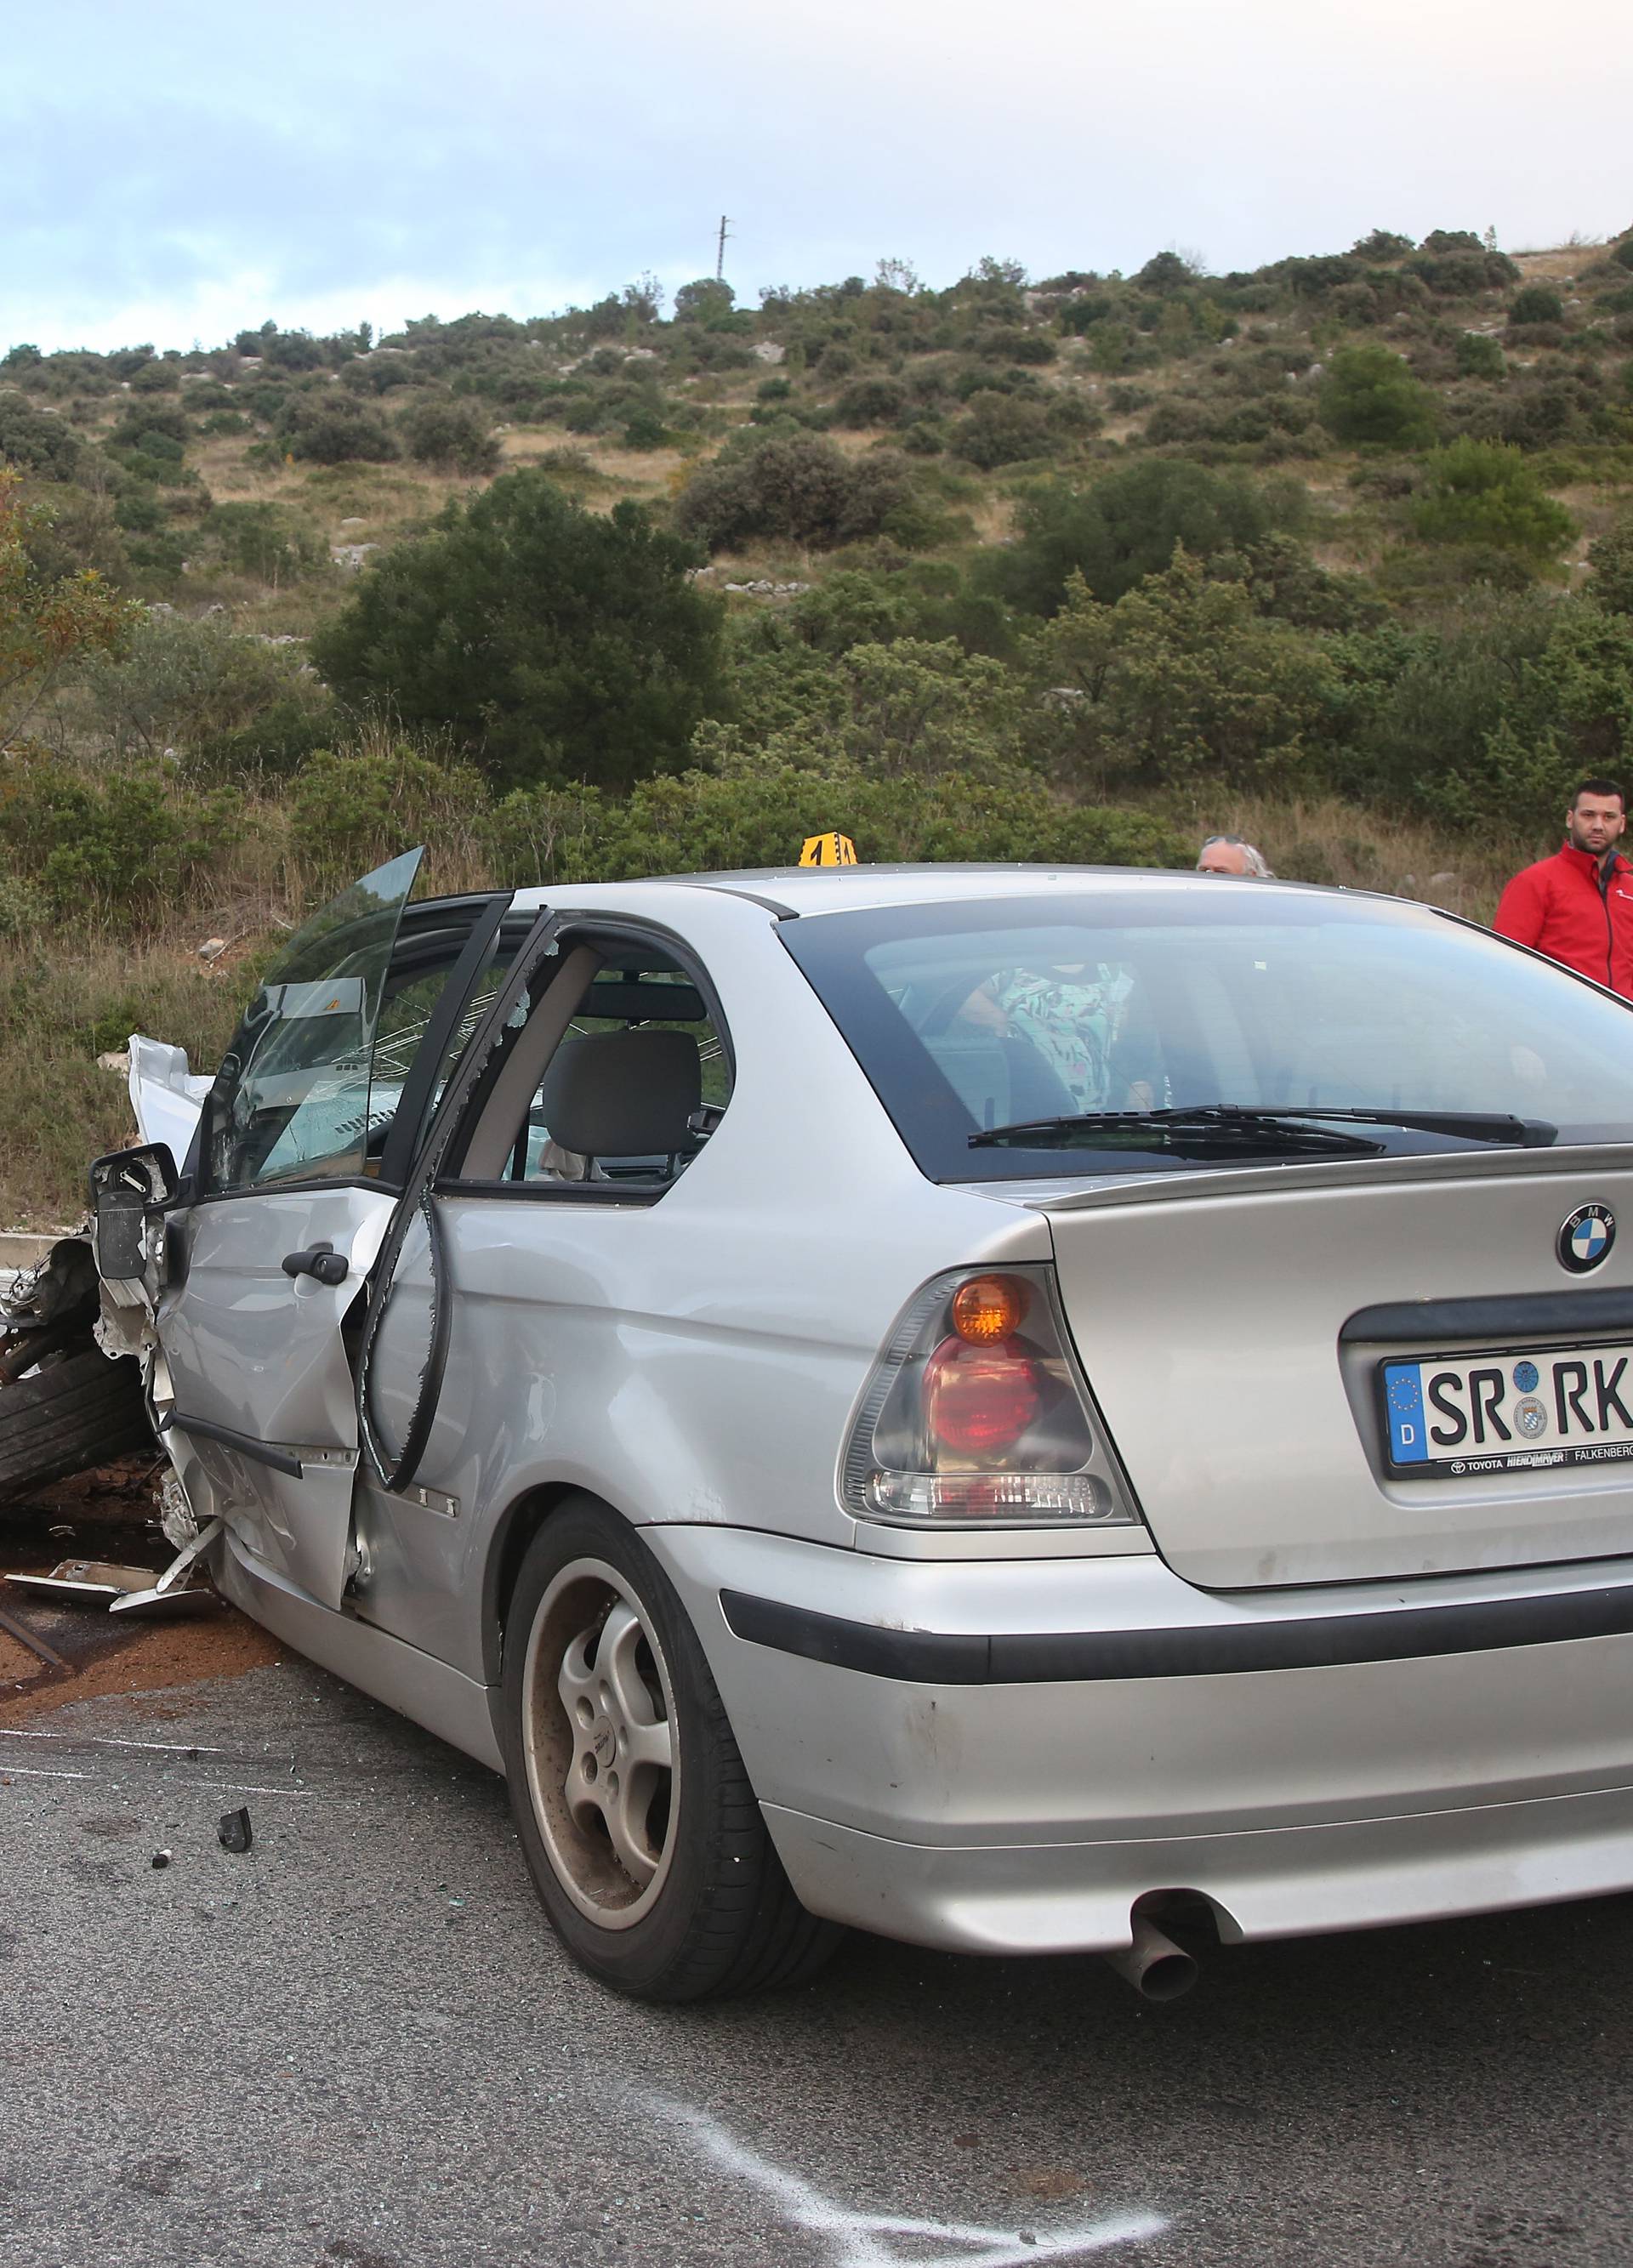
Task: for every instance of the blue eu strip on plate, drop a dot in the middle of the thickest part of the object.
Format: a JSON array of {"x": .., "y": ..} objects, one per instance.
[{"x": 1403, "y": 1402}]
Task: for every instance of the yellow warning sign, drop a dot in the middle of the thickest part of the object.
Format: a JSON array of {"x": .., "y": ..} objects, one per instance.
[{"x": 828, "y": 850}]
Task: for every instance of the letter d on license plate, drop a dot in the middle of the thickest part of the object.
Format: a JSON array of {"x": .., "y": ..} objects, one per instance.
[{"x": 1497, "y": 1413}]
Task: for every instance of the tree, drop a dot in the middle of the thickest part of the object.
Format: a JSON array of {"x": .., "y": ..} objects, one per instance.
[
  {"x": 45, "y": 625},
  {"x": 1484, "y": 494},
  {"x": 1126, "y": 525},
  {"x": 703, "y": 301},
  {"x": 1183, "y": 679},
  {"x": 1368, "y": 394},
  {"x": 551, "y": 642}
]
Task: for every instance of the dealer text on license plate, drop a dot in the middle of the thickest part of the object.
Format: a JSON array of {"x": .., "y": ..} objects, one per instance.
[{"x": 1497, "y": 1413}]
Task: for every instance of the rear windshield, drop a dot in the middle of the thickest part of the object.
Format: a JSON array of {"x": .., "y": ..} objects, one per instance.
[{"x": 1093, "y": 1024}]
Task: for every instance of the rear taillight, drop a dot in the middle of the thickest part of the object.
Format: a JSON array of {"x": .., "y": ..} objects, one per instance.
[
  {"x": 977, "y": 1400},
  {"x": 976, "y": 1413}
]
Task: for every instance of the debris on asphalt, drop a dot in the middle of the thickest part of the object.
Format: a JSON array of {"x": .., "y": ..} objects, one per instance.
[
  {"x": 160, "y": 1858},
  {"x": 234, "y": 1832}
]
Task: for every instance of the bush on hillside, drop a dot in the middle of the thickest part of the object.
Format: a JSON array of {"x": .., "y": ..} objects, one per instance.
[
  {"x": 332, "y": 428},
  {"x": 757, "y": 811},
  {"x": 1611, "y": 560},
  {"x": 1538, "y": 303},
  {"x": 802, "y": 488},
  {"x": 1000, "y": 429},
  {"x": 1368, "y": 394},
  {"x": 1125, "y": 527},
  {"x": 1182, "y": 680},
  {"x": 452, "y": 435},
  {"x": 264, "y": 540},
  {"x": 1479, "y": 356},
  {"x": 203, "y": 695},
  {"x": 36, "y": 440},
  {"x": 551, "y": 641},
  {"x": 1483, "y": 494}
]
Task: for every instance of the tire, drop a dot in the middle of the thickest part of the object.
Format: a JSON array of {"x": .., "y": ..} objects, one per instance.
[
  {"x": 78, "y": 1413},
  {"x": 635, "y": 1813}
]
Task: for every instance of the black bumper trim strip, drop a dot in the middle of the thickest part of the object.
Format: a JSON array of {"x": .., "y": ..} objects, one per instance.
[
  {"x": 246, "y": 1444},
  {"x": 1530, "y": 1314},
  {"x": 1215, "y": 1650}
]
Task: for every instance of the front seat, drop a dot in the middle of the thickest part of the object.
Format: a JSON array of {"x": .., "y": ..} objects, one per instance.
[{"x": 614, "y": 1097}]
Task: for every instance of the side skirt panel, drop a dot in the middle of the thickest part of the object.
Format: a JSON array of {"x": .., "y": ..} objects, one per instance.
[{"x": 453, "y": 1707}]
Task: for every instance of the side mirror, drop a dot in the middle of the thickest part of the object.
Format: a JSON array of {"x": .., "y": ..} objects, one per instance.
[{"x": 126, "y": 1186}]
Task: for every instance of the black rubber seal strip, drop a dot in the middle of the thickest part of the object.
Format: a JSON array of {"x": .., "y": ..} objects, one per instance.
[
  {"x": 1222, "y": 1649},
  {"x": 246, "y": 1444},
  {"x": 1438, "y": 1323}
]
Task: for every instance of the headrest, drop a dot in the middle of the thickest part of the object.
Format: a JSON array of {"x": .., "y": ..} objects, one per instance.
[{"x": 623, "y": 1094}]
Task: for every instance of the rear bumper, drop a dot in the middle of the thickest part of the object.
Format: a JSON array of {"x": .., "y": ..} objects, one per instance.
[
  {"x": 1076, "y": 1898},
  {"x": 1004, "y": 1756}
]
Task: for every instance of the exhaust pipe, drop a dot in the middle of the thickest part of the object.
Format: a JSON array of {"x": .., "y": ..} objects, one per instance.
[{"x": 1156, "y": 1967}]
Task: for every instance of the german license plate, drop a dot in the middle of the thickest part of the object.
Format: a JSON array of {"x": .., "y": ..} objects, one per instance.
[{"x": 1502, "y": 1413}]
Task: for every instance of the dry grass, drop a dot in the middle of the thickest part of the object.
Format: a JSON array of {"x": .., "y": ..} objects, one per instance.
[{"x": 1320, "y": 839}]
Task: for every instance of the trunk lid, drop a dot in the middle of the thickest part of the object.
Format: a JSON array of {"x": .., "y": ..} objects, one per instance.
[{"x": 1222, "y": 1320}]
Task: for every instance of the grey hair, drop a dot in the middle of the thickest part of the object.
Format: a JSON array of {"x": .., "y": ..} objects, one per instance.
[{"x": 1257, "y": 864}]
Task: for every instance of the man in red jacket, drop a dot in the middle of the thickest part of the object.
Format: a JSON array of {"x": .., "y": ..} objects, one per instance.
[{"x": 1577, "y": 906}]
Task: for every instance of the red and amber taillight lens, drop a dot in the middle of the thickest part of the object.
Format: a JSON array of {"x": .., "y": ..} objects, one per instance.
[
  {"x": 979, "y": 1400},
  {"x": 976, "y": 1412}
]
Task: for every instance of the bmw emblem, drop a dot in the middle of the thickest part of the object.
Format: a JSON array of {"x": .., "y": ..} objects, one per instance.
[{"x": 1585, "y": 1238}]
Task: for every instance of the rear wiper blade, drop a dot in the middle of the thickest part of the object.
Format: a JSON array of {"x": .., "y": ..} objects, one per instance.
[
  {"x": 1497, "y": 1126},
  {"x": 1473, "y": 1125},
  {"x": 1202, "y": 1126}
]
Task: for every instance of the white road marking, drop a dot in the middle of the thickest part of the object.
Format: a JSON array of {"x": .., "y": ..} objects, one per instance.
[{"x": 860, "y": 2240}]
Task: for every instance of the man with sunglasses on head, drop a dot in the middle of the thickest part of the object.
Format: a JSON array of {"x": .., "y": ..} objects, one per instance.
[{"x": 1229, "y": 854}]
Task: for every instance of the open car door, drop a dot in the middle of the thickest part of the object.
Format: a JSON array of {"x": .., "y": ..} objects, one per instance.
[{"x": 294, "y": 1173}]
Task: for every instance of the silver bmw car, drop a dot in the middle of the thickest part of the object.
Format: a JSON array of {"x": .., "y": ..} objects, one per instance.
[{"x": 998, "y": 1406}]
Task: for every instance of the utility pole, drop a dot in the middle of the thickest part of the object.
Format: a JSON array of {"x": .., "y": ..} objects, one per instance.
[{"x": 719, "y": 257}]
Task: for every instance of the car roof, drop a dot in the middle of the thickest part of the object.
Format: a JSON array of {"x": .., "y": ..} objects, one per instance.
[{"x": 806, "y": 890}]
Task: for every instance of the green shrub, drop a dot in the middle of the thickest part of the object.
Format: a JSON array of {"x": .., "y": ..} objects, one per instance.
[
  {"x": 1484, "y": 494},
  {"x": 36, "y": 440},
  {"x": 759, "y": 810},
  {"x": 1125, "y": 527},
  {"x": 196, "y": 688},
  {"x": 802, "y": 488},
  {"x": 871, "y": 401},
  {"x": 332, "y": 428},
  {"x": 1001, "y": 429},
  {"x": 1479, "y": 356},
  {"x": 1538, "y": 303},
  {"x": 353, "y": 807},
  {"x": 1611, "y": 560},
  {"x": 452, "y": 435},
  {"x": 1368, "y": 394},
  {"x": 118, "y": 842},
  {"x": 549, "y": 640},
  {"x": 264, "y": 540}
]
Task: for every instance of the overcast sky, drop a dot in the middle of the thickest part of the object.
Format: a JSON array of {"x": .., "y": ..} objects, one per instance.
[{"x": 173, "y": 170}]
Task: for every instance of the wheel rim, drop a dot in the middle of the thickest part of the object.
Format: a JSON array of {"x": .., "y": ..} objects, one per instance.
[{"x": 598, "y": 1732}]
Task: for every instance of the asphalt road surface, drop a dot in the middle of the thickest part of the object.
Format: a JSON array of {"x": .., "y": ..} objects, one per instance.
[{"x": 359, "y": 2044}]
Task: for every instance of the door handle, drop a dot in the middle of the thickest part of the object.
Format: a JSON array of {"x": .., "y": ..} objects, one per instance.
[{"x": 321, "y": 1260}]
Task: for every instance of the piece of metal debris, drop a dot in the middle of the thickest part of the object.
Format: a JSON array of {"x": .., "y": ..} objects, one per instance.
[
  {"x": 23, "y": 1636},
  {"x": 160, "y": 1858},
  {"x": 234, "y": 1832},
  {"x": 121, "y": 1590}
]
